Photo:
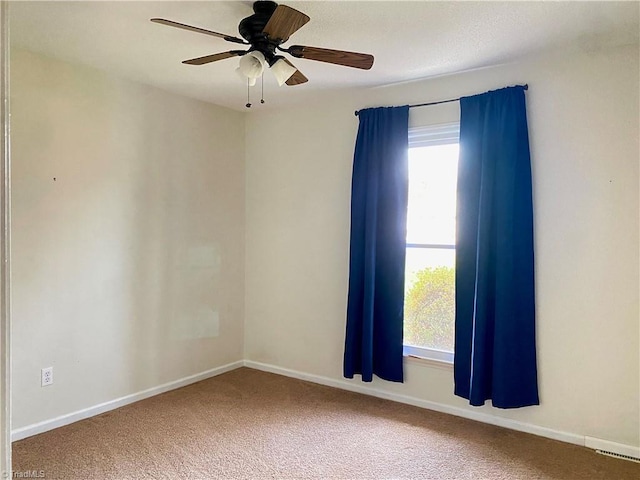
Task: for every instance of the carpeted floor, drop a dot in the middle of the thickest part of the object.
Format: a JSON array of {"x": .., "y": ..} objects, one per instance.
[{"x": 251, "y": 424}]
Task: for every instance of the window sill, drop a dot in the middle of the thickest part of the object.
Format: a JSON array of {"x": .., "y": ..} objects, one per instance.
[
  {"x": 428, "y": 362},
  {"x": 427, "y": 353}
]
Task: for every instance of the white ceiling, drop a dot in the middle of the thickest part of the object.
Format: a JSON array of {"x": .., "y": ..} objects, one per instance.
[{"x": 410, "y": 40}]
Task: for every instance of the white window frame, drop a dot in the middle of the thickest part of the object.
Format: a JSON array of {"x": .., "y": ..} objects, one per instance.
[{"x": 429, "y": 136}]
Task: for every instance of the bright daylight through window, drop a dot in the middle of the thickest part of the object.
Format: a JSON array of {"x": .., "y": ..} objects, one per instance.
[{"x": 429, "y": 305}]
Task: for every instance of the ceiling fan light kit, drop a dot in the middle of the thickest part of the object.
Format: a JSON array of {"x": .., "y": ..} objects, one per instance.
[
  {"x": 251, "y": 66},
  {"x": 282, "y": 70},
  {"x": 264, "y": 32}
]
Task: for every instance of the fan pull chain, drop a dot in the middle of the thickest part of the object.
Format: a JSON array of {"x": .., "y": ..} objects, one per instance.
[
  {"x": 248, "y": 105},
  {"x": 262, "y": 93}
]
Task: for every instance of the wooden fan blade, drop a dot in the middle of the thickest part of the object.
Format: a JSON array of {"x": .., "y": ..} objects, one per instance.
[
  {"x": 213, "y": 58},
  {"x": 228, "y": 38},
  {"x": 284, "y": 22},
  {"x": 297, "y": 78},
  {"x": 337, "y": 57}
]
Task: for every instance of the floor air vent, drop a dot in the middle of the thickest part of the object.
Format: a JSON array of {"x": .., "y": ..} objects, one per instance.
[{"x": 618, "y": 455}]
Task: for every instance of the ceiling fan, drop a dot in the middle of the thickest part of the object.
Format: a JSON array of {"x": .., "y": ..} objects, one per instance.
[{"x": 264, "y": 32}]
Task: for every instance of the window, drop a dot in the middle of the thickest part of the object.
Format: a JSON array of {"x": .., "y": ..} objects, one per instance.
[{"x": 429, "y": 304}]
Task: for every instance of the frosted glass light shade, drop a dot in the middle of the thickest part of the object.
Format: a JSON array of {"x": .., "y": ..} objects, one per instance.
[
  {"x": 250, "y": 81},
  {"x": 282, "y": 71},
  {"x": 252, "y": 65}
]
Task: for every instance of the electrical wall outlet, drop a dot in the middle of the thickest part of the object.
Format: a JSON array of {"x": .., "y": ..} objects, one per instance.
[{"x": 46, "y": 376}]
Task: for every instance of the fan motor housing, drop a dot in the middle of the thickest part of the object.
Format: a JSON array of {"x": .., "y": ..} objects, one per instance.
[
  {"x": 251, "y": 28},
  {"x": 265, "y": 7}
]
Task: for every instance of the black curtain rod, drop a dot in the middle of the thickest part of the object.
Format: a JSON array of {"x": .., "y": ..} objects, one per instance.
[{"x": 525, "y": 86}]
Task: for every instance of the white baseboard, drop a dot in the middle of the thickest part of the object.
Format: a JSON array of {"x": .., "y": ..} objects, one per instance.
[
  {"x": 567, "y": 437},
  {"x": 41, "y": 427},
  {"x": 607, "y": 446},
  {"x": 352, "y": 386}
]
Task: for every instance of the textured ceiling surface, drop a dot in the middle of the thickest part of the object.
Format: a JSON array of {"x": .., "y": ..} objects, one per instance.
[{"x": 410, "y": 40}]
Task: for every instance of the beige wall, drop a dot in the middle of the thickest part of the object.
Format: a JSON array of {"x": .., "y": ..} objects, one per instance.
[
  {"x": 128, "y": 237},
  {"x": 583, "y": 117}
]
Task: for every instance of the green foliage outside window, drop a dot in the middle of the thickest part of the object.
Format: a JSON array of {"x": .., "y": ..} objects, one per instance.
[{"x": 429, "y": 308}]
